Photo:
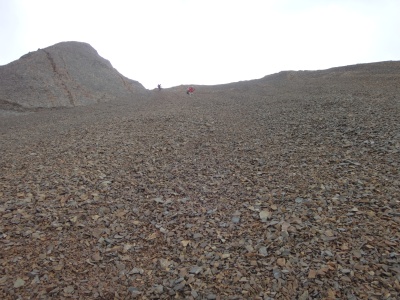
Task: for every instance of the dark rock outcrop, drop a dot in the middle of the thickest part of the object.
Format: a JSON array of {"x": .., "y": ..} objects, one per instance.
[{"x": 63, "y": 75}]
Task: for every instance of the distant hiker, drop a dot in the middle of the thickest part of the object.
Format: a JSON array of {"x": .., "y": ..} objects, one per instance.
[
  {"x": 159, "y": 87},
  {"x": 190, "y": 91}
]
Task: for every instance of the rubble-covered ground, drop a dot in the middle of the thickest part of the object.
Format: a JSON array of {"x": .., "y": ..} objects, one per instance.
[{"x": 279, "y": 189}]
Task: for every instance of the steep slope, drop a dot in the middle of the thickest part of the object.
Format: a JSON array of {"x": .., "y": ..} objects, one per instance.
[
  {"x": 64, "y": 75},
  {"x": 269, "y": 189}
]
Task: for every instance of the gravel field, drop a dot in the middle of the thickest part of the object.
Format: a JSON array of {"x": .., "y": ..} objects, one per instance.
[{"x": 286, "y": 187}]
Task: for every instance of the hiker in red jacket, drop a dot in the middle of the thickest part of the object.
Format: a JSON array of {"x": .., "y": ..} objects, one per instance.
[{"x": 190, "y": 91}]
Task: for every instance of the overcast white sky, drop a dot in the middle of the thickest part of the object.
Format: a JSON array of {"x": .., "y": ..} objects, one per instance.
[{"x": 175, "y": 42}]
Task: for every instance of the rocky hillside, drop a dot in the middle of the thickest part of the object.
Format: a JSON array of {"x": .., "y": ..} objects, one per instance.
[
  {"x": 64, "y": 75},
  {"x": 286, "y": 187}
]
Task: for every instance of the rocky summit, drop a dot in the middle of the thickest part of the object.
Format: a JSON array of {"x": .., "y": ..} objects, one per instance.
[
  {"x": 63, "y": 75},
  {"x": 286, "y": 187}
]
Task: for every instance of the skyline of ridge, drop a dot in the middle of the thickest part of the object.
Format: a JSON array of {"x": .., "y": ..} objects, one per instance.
[{"x": 207, "y": 42}]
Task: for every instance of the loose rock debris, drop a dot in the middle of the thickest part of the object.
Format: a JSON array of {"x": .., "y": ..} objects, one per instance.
[{"x": 287, "y": 192}]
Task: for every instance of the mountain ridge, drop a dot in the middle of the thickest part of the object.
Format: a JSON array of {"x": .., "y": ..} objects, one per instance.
[
  {"x": 66, "y": 74},
  {"x": 70, "y": 74}
]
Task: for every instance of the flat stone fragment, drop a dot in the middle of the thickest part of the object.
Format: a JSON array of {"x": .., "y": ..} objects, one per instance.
[
  {"x": 158, "y": 289},
  {"x": 265, "y": 214},
  {"x": 19, "y": 282},
  {"x": 263, "y": 251},
  {"x": 69, "y": 289},
  {"x": 235, "y": 220},
  {"x": 195, "y": 270}
]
